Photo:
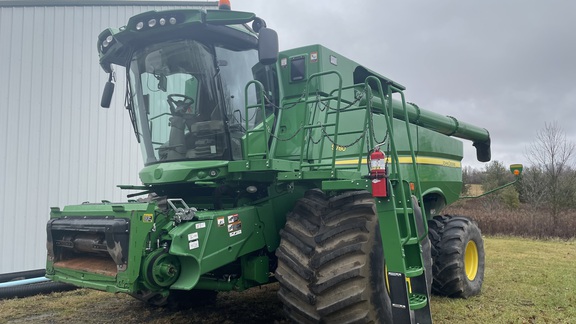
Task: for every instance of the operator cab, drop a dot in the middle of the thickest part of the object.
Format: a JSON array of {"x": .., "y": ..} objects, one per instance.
[
  {"x": 187, "y": 96},
  {"x": 186, "y": 82}
]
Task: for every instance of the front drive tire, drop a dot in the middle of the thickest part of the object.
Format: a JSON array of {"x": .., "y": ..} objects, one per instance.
[
  {"x": 331, "y": 261},
  {"x": 458, "y": 256}
]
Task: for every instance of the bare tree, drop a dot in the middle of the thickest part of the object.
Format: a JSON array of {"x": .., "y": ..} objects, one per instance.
[
  {"x": 532, "y": 190},
  {"x": 551, "y": 156}
]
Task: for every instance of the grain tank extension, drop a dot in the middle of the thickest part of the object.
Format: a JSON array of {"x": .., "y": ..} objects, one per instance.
[{"x": 301, "y": 167}]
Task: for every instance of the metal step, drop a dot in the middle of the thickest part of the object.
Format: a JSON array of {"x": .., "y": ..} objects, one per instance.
[
  {"x": 412, "y": 272},
  {"x": 418, "y": 301}
]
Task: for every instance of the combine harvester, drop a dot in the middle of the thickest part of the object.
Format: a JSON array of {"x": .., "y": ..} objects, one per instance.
[{"x": 301, "y": 167}]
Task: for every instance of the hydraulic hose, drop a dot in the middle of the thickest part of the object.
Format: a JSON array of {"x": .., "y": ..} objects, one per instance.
[
  {"x": 23, "y": 282},
  {"x": 45, "y": 287},
  {"x": 29, "y": 283},
  {"x": 22, "y": 275}
]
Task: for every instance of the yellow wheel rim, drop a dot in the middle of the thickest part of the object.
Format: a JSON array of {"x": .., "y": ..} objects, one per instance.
[
  {"x": 386, "y": 278},
  {"x": 471, "y": 260}
]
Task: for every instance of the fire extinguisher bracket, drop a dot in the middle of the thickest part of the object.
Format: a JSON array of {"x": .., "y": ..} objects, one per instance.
[{"x": 378, "y": 173}]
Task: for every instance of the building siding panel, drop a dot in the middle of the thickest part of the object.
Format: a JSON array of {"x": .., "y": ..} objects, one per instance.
[{"x": 58, "y": 146}]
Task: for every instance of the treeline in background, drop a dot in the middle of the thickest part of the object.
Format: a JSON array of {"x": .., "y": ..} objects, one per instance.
[{"x": 542, "y": 204}]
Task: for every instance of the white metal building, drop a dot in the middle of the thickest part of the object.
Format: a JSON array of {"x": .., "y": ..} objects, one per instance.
[{"x": 57, "y": 145}]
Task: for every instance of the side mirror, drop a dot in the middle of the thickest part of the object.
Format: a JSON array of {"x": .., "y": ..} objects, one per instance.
[
  {"x": 267, "y": 46},
  {"x": 107, "y": 95}
]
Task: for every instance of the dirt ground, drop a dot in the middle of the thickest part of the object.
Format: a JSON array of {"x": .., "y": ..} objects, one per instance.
[
  {"x": 526, "y": 281},
  {"x": 256, "y": 305}
]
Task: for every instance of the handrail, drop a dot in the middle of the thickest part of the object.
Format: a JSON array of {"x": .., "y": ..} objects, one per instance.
[
  {"x": 306, "y": 114},
  {"x": 366, "y": 122},
  {"x": 414, "y": 166},
  {"x": 260, "y": 104},
  {"x": 396, "y": 170},
  {"x": 335, "y": 94}
]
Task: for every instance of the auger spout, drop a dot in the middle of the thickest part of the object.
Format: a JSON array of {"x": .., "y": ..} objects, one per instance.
[{"x": 446, "y": 125}]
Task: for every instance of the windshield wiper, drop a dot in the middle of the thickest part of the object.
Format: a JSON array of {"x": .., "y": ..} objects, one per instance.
[{"x": 128, "y": 103}]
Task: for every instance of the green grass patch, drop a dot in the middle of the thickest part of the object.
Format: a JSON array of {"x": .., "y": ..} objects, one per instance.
[{"x": 526, "y": 281}]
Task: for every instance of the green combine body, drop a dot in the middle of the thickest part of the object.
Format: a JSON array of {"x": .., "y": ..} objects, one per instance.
[{"x": 257, "y": 170}]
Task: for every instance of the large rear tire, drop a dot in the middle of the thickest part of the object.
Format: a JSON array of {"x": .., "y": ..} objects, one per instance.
[
  {"x": 331, "y": 261},
  {"x": 458, "y": 256}
]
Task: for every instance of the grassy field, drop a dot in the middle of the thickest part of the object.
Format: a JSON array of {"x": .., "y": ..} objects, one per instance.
[{"x": 526, "y": 281}]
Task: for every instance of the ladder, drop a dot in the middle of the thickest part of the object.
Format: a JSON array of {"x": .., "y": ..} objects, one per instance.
[{"x": 402, "y": 224}]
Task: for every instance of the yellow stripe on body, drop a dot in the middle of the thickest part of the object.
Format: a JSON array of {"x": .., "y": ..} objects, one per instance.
[{"x": 407, "y": 159}]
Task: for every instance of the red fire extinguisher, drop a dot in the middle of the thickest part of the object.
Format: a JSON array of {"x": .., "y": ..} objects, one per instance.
[{"x": 378, "y": 173}]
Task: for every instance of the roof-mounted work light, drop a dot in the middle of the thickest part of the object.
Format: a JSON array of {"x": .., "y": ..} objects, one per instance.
[{"x": 224, "y": 5}]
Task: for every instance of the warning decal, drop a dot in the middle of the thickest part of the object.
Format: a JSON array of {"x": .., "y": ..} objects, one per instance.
[
  {"x": 148, "y": 218},
  {"x": 235, "y": 233},
  {"x": 233, "y": 218},
  {"x": 220, "y": 221},
  {"x": 193, "y": 242},
  {"x": 234, "y": 225}
]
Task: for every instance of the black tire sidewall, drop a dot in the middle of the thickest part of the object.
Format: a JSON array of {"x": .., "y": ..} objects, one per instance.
[
  {"x": 380, "y": 296},
  {"x": 473, "y": 287},
  {"x": 450, "y": 236},
  {"x": 309, "y": 296}
]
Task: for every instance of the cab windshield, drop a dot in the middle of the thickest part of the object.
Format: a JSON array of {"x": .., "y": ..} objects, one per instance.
[{"x": 187, "y": 100}]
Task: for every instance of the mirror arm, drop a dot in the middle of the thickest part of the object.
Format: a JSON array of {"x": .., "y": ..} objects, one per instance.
[{"x": 108, "y": 90}]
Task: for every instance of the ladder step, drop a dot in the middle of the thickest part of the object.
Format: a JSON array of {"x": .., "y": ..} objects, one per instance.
[
  {"x": 418, "y": 301},
  {"x": 412, "y": 272},
  {"x": 412, "y": 241},
  {"x": 401, "y": 211}
]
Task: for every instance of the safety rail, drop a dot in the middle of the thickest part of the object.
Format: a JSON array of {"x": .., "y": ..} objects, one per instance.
[
  {"x": 260, "y": 103},
  {"x": 320, "y": 162},
  {"x": 329, "y": 129},
  {"x": 311, "y": 120},
  {"x": 308, "y": 127},
  {"x": 310, "y": 98},
  {"x": 361, "y": 140}
]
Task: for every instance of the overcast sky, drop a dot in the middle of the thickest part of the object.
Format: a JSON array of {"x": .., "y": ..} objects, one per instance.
[{"x": 507, "y": 66}]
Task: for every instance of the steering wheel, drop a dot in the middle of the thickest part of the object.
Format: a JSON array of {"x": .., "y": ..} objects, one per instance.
[{"x": 179, "y": 107}]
